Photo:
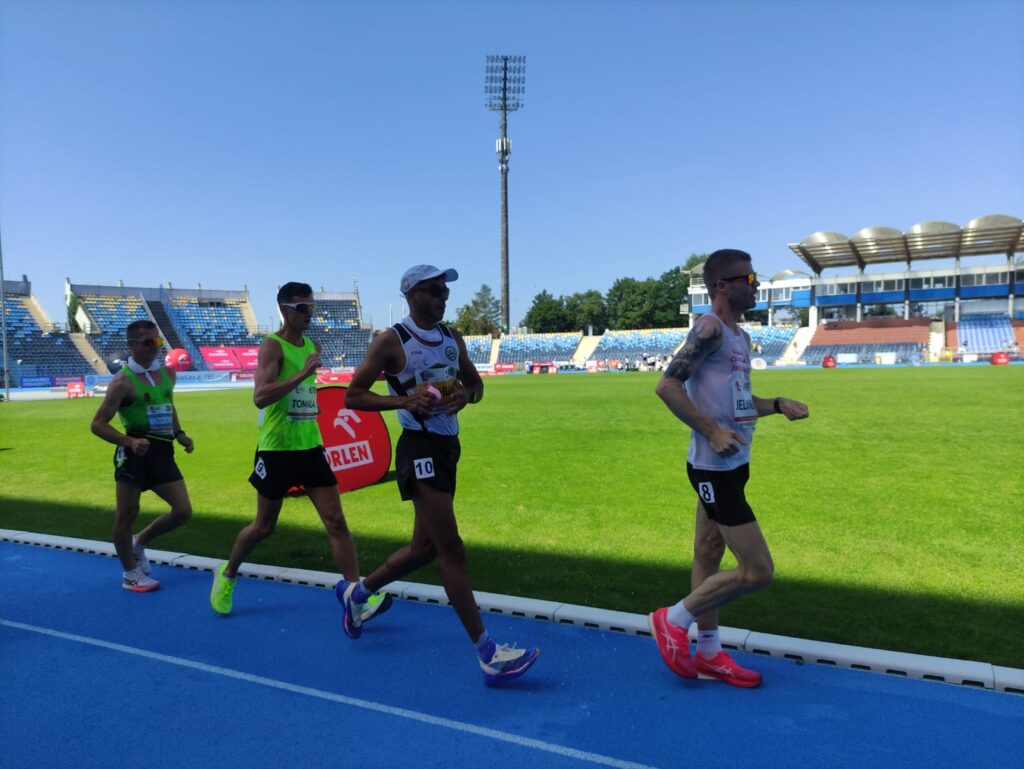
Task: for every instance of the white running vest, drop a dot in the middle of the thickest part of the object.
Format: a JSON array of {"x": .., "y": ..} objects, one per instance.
[
  {"x": 720, "y": 389},
  {"x": 426, "y": 365}
]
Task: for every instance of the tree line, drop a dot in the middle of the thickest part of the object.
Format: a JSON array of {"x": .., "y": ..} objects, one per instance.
[{"x": 629, "y": 304}]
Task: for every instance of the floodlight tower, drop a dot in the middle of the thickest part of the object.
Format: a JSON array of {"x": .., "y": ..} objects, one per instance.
[
  {"x": 3, "y": 324},
  {"x": 505, "y": 89}
]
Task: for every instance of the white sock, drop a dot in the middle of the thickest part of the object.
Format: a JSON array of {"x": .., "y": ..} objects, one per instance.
[
  {"x": 680, "y": 617},
  {"x": 708, "y": 643}
]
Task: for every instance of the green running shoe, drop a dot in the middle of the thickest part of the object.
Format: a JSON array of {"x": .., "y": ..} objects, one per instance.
[{"x": 220, "y": 595}]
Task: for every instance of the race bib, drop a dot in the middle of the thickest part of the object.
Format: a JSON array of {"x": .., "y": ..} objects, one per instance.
[
  {"x": 706, "y": 492},
  {"x": 424, "y": 468},
  {"x": 161, "y": 419},
  {"x": 302, "y": 406},
  {"x": 743, "y": 408},
  {"x": 441, "y": 377}
]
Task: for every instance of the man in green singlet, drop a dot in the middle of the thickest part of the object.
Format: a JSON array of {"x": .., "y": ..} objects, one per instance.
[
  {"x": 290, "y": 451},
  {"x": 141, "y": 394}
]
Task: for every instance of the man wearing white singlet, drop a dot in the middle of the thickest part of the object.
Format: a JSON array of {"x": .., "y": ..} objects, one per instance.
[
  {"x": 707, "y": 386},
  {"x": 430, "y": 380}
]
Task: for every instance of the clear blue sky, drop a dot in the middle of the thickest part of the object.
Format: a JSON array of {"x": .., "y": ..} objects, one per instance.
[{"x": 234, "y": 143}]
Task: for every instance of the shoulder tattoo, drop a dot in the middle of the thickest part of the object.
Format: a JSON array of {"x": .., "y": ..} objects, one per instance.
[{"x": 694, "y": 350}]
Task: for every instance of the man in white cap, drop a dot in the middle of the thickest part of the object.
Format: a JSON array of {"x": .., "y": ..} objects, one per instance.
[{"x": 430, "y": 379}]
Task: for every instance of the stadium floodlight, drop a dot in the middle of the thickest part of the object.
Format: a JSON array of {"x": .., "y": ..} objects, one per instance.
[{"x": 504, "y": 89}]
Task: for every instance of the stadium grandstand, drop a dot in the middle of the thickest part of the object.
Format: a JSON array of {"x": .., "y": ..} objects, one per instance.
[
  {"x": 216, "y": 327},
  {"x": 871, "y": 340},
  {"x": 948, "y": 311},
  {"x": 554, "y": 347},
  {"x": 338, "y": 330},
  {"x": 770, "y": 342},
  {"x": 36, "y": 347},
  {"x": 479, "y": 348},
  {"x": 937, "y": 292},
  {"x": 640, "y": 344}
]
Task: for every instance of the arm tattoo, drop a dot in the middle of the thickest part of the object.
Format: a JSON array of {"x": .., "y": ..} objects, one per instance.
[{"x": 694, "y": 350}]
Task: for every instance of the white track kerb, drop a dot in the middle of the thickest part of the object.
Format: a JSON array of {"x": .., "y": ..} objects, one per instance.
[{"x": 800, "y": 650}]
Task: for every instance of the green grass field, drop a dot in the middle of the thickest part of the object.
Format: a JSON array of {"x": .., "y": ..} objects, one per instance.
[{"x": 893, "y": 514}]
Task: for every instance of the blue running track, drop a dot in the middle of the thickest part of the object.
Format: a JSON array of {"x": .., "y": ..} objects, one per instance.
[{"x": 95, "y": 676}]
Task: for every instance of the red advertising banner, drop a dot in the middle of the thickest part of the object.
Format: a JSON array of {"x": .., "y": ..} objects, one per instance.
[
  {"x": 219, "y": 358},
  {"x": 247, "y": 356},
  {"x": 326, "y": 376},
  {"x": 504, "y": 368},
  {"x": 356, "y": 443}
]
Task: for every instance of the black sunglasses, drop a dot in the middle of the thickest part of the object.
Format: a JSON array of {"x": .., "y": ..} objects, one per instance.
[
  {"x": 750, "y": 277},
  {"x": 435, "y": 290},
  {"x": 306, "y": 308}
]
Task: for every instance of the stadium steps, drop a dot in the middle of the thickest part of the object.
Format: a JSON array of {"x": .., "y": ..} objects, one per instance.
[
  {"x": 586, "y": 348},
  {"x": 937, "y": 339},
  {"x": 163, "y": 322},
  {"x": 37, "y": 312},
  {"x": 81, "y": 343},
  {"x": 796, "y": 348},
  {"x": 251, "y": 326},
  {"x": 495, "y": 350}
]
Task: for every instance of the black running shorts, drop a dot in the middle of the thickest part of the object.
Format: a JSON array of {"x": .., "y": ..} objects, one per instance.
[
  {"x": 422, "y": 457},
  {"x": 275, "y": 473},
  {"x": 155, "y": 467},
  {"x": 721, "y": 493}
]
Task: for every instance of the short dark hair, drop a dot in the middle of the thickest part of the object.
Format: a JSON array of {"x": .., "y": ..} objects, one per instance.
[
  {"x": 718, "y": 265},
  {"x": 292, "y": 289},
  {"x": 138, "y": 325}
]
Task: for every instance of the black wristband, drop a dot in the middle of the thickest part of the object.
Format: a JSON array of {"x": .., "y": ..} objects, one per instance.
[
  {"x": 778, "y": 406},
  {"x": 182, "y": 432}
]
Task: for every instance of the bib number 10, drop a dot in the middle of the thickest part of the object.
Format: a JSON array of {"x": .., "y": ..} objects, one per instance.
[{"x": 424, "y": 468}]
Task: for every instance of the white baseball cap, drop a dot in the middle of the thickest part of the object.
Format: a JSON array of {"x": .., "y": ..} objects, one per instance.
[{"x": 421, "y": 272}]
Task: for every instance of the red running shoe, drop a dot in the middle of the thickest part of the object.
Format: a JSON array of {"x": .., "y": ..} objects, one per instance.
[
  {"x": 673, "y": 643},
  {"x": 722, "y": 667}
]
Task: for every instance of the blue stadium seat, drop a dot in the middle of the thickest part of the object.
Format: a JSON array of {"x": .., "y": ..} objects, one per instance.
[
  {"x": 519, "y": 348},
  {"x": 336, "y": 328},
  {"x": 31, "y": 351},
  {"x": 985, "y": 332},
  {"x": 110, "y": 316},
  {"x": 630, "y": 345},
  {"x": 479, "y": 348}
]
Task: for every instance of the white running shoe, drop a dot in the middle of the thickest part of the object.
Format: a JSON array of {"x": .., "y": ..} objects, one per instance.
[
  {"x": 140, "y": 557},
  {"x": 508, "y": 662},
  {"x": 138, "y": 582}
]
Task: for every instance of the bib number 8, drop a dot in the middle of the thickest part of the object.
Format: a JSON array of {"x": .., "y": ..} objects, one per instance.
[{"x": 707, "y": 492}]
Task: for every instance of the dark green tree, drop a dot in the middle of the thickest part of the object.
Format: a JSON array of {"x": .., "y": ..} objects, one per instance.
[
  {"x": 482, "y": 315},
  {"x": 668, "y": 292},
  {"x": 587, "y": 309},
  {"x": 73, "y": 304},
  {"x": 547, "y": 314},
  {"x": 630, "y": 304},
  {"x": 692, "y": 262}
]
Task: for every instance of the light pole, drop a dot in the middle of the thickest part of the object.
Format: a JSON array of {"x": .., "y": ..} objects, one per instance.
[
  {"x": 505, "y": 89},
  {"x": 3, "y": 321}
]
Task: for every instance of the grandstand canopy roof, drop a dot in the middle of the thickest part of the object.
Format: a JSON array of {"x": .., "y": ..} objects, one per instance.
[{"x": 993, "y": 234}]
